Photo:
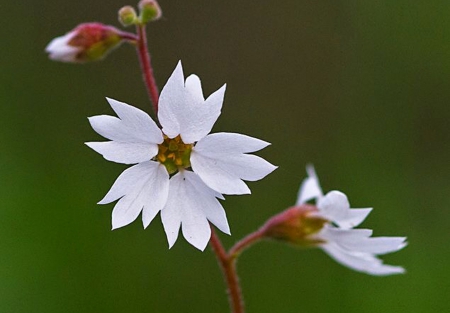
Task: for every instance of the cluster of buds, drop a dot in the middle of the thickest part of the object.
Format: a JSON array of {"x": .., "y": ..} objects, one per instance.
[{"x": 149, "y": 11}]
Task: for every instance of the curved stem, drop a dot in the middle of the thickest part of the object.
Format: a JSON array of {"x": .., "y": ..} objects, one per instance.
[
  {"x": 146, "y": 66},
  {"x": 228, "y": 266},
  {"x": 245, "y": 243}
]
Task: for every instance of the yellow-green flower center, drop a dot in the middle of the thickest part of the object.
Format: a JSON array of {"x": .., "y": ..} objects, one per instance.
[{"x": 174, "y": 154}]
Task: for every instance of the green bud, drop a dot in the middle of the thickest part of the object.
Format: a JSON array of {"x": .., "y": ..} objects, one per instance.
[
  {"x": 149, "y": 11},
  {"x": 127, "y": 16}
]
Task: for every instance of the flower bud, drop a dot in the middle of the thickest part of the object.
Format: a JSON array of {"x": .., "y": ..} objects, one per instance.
[
  {"x": 87, "y": 42},
  {"x": 296, "y": 225},
  {"x": 149, "y": 11},
  {"x": 127, "y": 16}
]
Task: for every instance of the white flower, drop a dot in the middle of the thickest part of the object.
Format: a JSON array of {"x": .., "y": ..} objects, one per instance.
[
  {"x": 353, "y": 248},
  {"x": 180, "y": 170},
  {"x": 60, "y": 50}
]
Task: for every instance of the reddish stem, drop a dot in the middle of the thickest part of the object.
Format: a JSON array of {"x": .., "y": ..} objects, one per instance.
[
  {"x": 245, "y": 243},
  {"x": 146, "y": 66},
  {"x": 228, "y": 266}
]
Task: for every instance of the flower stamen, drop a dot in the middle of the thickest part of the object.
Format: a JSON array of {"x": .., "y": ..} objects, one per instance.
[{"x": 173, "y": 153}]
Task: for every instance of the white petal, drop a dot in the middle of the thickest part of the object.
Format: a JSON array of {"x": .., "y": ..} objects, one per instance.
[
  {"x": 211, "y": 207},
  {"x": 310, "y": 188},
  {"x": 170, "y": 99},
  {"x": 132, "y": 126},
  {"x": 132, "y": 178},
  {"x": 194, "y": 87},
  {"x": 334, "y": 206},
  {"x": 156, "y": 192},
  {"x": 362, "y": 262},
  {"x": 149, "y": 194},
  {"x": 204, "y": 115},
  {"x": 358, "y": 240},
  {"x": 191, "y": 203},
  {"x": 225, "y": 174},
  {"x": 214, "y": 173},
  {"x": 60, "y": 50},
  {"x": 126, "y": 153},
  {"x": 221, "y": 144},
  {"x": 144, "y": 185},
  {"x": 353, "y": 218},
  {"x": 182, "y": 110}
]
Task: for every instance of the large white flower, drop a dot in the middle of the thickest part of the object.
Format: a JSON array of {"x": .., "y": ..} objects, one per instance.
[
  {"x": 353, "y": 248},
  {"x": 180, "y": 170}
]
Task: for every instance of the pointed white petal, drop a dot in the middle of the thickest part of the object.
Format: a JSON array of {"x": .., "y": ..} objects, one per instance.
[
  {"x": 170, "y": 100},
  {"x": 353, "y": 218},
  {"x": 211, "y": 207},
  {"x": 194, "y": 87},
  {"x": 222, "y": 144},
  {"x": 225, "y": 175},
  {"x": 132, "y": 178},
  {"x": 155, "y": 193},
  {"x": 203, "y": 116},
  {"x": 341, "y": 236},
  {"x": 137, "y": 121},
  {"x": 126, "y": 153},
  {"x": 182, "y": 110},
  {"x": 142, "y": 186},
  {"x": 358, "y": 240},
  {"x": 133, "y": 126},
  {"x": 192, "y": 204},
  {"x": 362, "y": 262},
  {"x": 171, "y": 216},
  {"x": 310, "y": 188},
  {"x": 216, "y": 175}
]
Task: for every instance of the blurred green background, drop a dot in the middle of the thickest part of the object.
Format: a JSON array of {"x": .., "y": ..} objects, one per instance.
[{"x": 359, "y": 88}]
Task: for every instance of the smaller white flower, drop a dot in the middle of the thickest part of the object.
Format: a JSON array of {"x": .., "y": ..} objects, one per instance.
[{"x": 354, "y": 248}]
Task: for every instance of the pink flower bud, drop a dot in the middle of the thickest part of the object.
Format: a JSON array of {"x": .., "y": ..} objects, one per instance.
[
  {"x": 296, "y": 225},
  {"x": 87, "y": 42}
]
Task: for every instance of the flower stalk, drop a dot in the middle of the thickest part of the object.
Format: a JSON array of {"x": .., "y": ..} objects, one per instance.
[
  {"x": 228, "y": 266},
  {"x": 146, "y": 66},
  {"x": 227, "y": 262}
]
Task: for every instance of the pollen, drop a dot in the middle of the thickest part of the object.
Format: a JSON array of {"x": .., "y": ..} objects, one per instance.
[{"x": 174, "y": 154}]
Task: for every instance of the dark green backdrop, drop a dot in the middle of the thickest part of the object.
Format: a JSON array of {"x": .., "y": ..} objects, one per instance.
[{"x": 359, "y": 88}]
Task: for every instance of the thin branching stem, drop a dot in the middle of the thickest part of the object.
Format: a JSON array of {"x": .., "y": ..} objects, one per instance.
[{"x": 146, "y": 66}]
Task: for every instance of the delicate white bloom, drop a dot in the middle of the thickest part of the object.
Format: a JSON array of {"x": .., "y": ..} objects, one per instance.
[
  {"x": 60, "y": 50},
  {"x": 353, "y": 248},
  {"x": 180, "y": 170}
]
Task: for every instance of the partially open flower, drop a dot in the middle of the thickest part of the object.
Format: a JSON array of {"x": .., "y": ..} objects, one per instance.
[
  {"x": 87, "y": 42},
  {"x": 329, "y": 225}
]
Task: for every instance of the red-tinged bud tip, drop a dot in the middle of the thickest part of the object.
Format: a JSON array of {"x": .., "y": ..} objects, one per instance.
[
  {"x": 87, "y": 42},
  {"x": 297, "y": 225}
]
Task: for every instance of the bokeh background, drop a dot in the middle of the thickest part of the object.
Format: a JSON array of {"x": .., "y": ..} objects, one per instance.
[{"x": 359, "y": 88}]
